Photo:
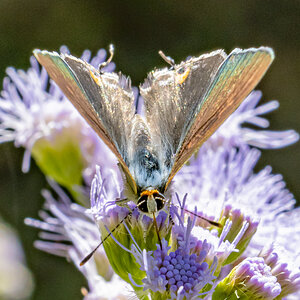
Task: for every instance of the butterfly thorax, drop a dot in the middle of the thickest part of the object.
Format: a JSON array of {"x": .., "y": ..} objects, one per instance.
[
  {"x": 151, "y": 201},
  {"x": 148, "y": 169}
]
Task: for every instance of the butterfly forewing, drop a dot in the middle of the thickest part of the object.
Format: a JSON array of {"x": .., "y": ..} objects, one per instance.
[
  {"x": 104, "y": 100},
  {"x": 111, "y": 98},
  {"x": 236, "y": 78},
  {"x": 171, "y": 97}
]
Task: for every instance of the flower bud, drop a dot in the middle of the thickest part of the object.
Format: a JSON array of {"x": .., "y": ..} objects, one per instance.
[
  {"x": 239, "y": 220},
  {"x": 251, "y": 279},
  {"x": 287, "y": 274}
]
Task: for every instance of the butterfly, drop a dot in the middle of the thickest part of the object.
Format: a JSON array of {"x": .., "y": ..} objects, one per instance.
[{"x": 184, "y": 105}]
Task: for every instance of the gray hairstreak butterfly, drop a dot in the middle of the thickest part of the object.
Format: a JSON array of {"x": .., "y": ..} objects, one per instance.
[{"x": 184, "y": 105}]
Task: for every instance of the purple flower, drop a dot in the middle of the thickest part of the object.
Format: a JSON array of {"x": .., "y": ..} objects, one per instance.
[
  {"x": 249, "y": 112},
  {"x": 259, "y": 277},
  {"x": 69, "y": 231},
  {"x": 189, "y": 257},
  {"x": 225, "y": 175},
  {"x": 251, "y": 279},
  {"x": 190, "y": 267},
  {"x": 176, "y": 274},
  {"x": 283, "y": 268}
]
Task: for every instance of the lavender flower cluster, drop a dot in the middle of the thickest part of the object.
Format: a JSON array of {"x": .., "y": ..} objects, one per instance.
[{"x": 252, "y": 255}]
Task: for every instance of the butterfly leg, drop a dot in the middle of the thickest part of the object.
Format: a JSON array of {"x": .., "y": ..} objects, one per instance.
[
  {"x": 121, "y": 201},
  {"x": 167, "y": 210},
  {"x": 145, "y": 231}
]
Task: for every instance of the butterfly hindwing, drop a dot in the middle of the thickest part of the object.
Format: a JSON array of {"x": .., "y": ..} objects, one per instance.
[{"x": 105, "y": 100}]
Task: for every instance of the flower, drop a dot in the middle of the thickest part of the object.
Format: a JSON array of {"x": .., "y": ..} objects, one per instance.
[
  {"x": 177, "y": 254},
  {"x": 114, "y": 221},
  {"x": 249, "y": 112},
  {"x": 180, "y": 273},
  {"x": 217, "y": 177},
  {"x": 188, "y": 268},
  {"x": 241, "y": 221},
  {"x": 16, "y": 281},
  {"x": 251, "y": 279},
  {"x": 283, "y": 268},
  {"x": 175, "y": 275},
  {"x": 270, "y": 275},
  {"x": 69, "y": 232}
]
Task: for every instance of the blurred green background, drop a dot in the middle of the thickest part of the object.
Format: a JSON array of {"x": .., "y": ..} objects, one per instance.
[{"x": 138, "y": 29}]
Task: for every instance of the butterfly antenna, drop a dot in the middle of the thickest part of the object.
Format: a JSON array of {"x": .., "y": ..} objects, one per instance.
[
  {"x": 167, "y": 59},
  {"x": 157, "y": 231},
  {"x": 111, "y": 52},
  {"x": 88, "y": 257},
  {"x": 213, "y": 223}
]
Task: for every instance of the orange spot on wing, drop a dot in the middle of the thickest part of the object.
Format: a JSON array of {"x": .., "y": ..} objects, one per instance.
[
  {"x": 180, "y": 78},
  {"x": 96, "y": 79}
]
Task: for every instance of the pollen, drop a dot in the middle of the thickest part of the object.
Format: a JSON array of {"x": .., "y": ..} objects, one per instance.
[{"x": 149, "y": 193}]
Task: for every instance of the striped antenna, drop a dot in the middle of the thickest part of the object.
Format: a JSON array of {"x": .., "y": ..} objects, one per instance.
[
  {"x": 213, "y": 223},
  {"x": 88, "y": 257}
]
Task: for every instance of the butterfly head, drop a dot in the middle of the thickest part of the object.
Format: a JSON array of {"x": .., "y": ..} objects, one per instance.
[{"x": 151, "y": 201}]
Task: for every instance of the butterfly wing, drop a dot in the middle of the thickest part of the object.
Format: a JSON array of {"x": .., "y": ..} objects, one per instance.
[
  {"x": 235, "y": 79},
  {"x": 105, "y": 100},
  {"x": 207, "y": 90},
  {"x": 171, "y": 97}
]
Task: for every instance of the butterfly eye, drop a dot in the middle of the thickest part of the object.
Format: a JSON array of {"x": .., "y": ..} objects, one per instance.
[
  {"x": 142, "y": 204},
  {"x": 160, "y": 201}
]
